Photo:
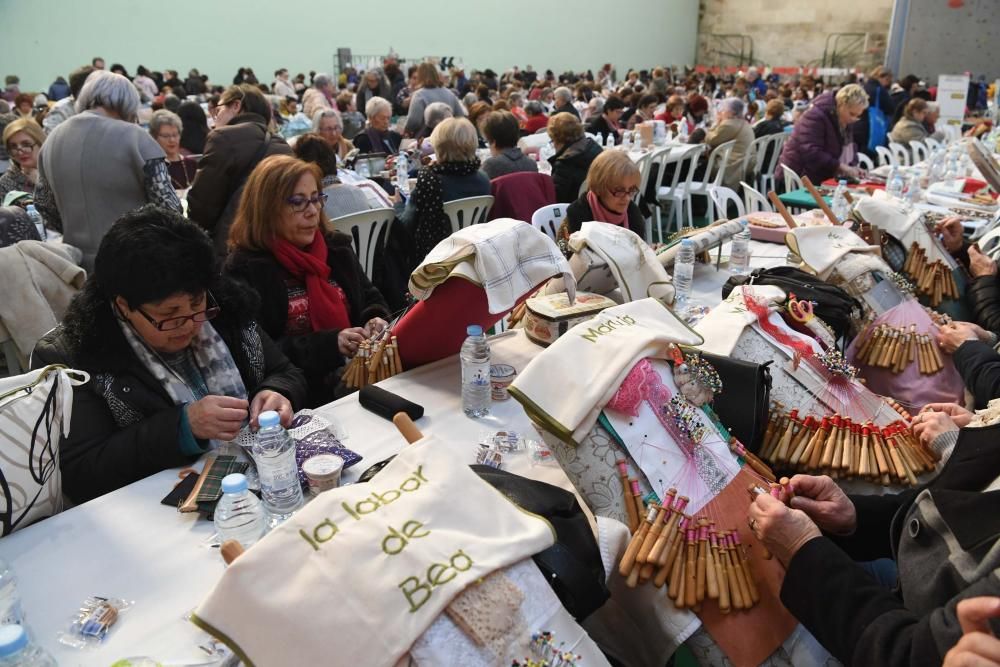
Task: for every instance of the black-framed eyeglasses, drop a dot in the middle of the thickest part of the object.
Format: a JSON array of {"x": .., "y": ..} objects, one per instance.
[
  {"x": 621, "y": 192},
  {"x": 173, "y": 323},
  {"x": 300, "y": 203}
]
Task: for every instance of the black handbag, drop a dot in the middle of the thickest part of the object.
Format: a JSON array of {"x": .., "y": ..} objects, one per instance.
[
  {"x": 744, "y": 402},
  {"x": 833, "y": 305}
]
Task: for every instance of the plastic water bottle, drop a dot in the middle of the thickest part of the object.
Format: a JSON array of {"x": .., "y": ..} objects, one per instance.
[
  {"x": 363, "y": 170},
  {"x": 239, "y": 515},
  {"x": 739, "y": 255},
  {"x": 684, "y": 273},
  {"x": 16, "y": 649},
  {"x": 913, "y": 192},
  {"x": 475, "y": 356},
  {"x": 839, "y": 202},
  {"x": 682, "y": 130},
  {"x": 402, "y": 174},
  {"x": 10, "y": 597},
  {"x": 609, "y": 140},
  {"x": 36, "y": 219},
  {"x": 274, "y": 453},
  {"x": 894, "y": 185}
]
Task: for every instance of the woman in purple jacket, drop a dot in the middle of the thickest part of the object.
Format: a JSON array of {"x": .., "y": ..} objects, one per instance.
[{"x": 821, "y": 146}]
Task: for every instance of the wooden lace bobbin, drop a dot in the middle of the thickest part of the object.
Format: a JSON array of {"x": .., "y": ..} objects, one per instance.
[
  {"x": 898, "y": 350},
  {"x": 801, "y": 441},
  {"x": 737, "y": 581},
  {"x": 781, "y": 451},
  {"x": 831, "y": 444},
  {"x": 640, "y": 506},
  {"x": 657, "y": 528},
  {"x": 899, "y": 469},
  {"x": 751, "y": 459},
  {"x": 663, "y": 575},
  {"x": 675, "y": 543},
  {"x": 843, "y": 435},
  {"x": 911, "y": 257},
  {"x": 628, "y": 560},
  {"x": 878, "y": 347},
  {"x": 745, "y": 566},
  {"x": 691, "y": 570},
  {"x": 778, "y": 429},
  {"x": 938, "y": 361},
  {"x": 711, "y": 564},
  {"x": 885, "y": 470},
  {"x": 701, "y": 560},
  {"x": 866, "y": 345},
  {"x": 864, "y": 466},
  {"x": 887, "y": 349},
  {"x": 675, "y": 571},
  {"x": 856, "y": 453},
  {"x": 903, "y": 358},
  {"x": 921, "y": 356},
  {"x": 814, "y": 452},
  {"x": 633, "y": 515},
  {"x": 843, "y": 461},
  {"x": 765, "y": 444},
  {"x": 670, "y": 528},
  {"x": 725, "y": 604}
]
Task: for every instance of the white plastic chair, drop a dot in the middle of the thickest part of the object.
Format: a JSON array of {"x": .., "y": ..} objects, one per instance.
[
  {"x": 364, "y": 228},
  {"x": 469, "y": 211},
  {"x": 919, "y": 150},
  {"x": 753, "y": 200},
  {"x": 765, "y": 165},
  {"x": 684, "y": 159},
  {"x": 721, "y": 198},
  {"x": 645, "y": 165},
  {"x": 549, "y": 218},
  {"x": 932, "y": 144},
  {"x": 715, "y": 171},
  {"x": 989, "y": 243},
  {"x": 792, "y": 180},
  {"x": 885, "y": 157},
  {"x": 900, "y": 153},
  {"x": 865, "y": 162}
]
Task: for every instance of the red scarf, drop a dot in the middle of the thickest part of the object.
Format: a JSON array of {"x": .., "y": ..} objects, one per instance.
[
  {"x": 602, "y": 214},
  {"x": 327, "y": 309}
]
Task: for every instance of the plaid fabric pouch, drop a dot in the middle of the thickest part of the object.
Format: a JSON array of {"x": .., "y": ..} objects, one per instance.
[{"x": 208, "y": 489}]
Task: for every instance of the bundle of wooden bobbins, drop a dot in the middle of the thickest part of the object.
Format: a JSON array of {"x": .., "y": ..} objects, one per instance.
[
  {"x": 376, "y": 360},
  {"x": 933, "y": 279},
  {"x": 895, "y": 348},
  {"x": 844, "y": 449},
  {"x": 691, "y": 556}
]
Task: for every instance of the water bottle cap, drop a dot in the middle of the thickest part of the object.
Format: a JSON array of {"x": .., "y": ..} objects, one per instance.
[
  {"x": 234, "y": 483},
  {"x": 687, "y": 243},
  {"x": 745, "y": 223},
  {"x": 473, "y": 330},
  {"x": 31, "y": 208},
  {"x": 268, "y": 419},
  {"x": 13, "y": 638},
  {"x": 843, "y": 181}
]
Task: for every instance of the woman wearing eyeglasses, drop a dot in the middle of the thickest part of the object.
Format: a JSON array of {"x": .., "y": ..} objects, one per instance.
[
  {"x": 240, "y": 140},
  {"x": 315, "y": 299},
  {"x": 612, "y": 183},
  {"x": 23, "y": 139},
  {"x": 177, "y": 364}
]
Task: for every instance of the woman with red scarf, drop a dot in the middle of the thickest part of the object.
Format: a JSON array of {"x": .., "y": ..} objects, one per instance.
[
  {"x": 315, "y": 300},
  {"x": 612, "y": 183}
]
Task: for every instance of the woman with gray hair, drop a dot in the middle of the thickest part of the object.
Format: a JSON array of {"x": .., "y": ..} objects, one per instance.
[
  {"x": 377, "y": 137},
  {"x": 373, "y": 84},
  {"x": 166, "y": 127},
  {"x": 100, "y": 164},
  {"x": 328, "y": 124},
  {"x": 320, "y": 96},
  {"x": 731, "y": 125},
  {"x": 821, "y": 145},
  {"x": 562, "y": 98}
]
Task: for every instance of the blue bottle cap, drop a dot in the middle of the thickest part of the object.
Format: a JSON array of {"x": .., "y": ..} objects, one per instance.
[
  {"x": 13, "y": 639},
  {"x": 268, "y": 419},
  {"x": 234, "y": 483},
  {"x": 687, "y": 242},
  {"x": 473, "y": 330}
]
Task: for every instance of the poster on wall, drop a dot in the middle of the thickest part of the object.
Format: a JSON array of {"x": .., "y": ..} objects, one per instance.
[{"x": 951, "y": 95}]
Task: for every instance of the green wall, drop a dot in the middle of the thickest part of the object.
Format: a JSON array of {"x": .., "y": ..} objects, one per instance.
[{"x": 43, "y": 39}]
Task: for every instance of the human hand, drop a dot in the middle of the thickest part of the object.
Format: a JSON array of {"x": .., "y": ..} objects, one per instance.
[
  {"x": 782, "y": 530},
  {"x": 849, "y": 171},
  {"x": 950, "y": 230},
  {"x": 977, "y": 646},
  {"x": 217, "y": 417},
  {"x": 825, "y": 503},
  {"x": 951, "y": 336},
  {"x": 375, "y": 325},
  {"x": 958, "y": 414},
  {"x": 979, "y": 264},
  {"x": 270, "y": 400},
  {"x": 349, "y": 339},
  {"x": 929, "y": 425}
]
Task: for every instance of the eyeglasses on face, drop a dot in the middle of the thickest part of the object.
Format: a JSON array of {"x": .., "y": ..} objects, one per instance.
[
  {"x": 621, "y": 192},
  {"x": 172, "y": 323},
  {"x": 24, "y": 147},
  {"x": 300, "y": 203}
]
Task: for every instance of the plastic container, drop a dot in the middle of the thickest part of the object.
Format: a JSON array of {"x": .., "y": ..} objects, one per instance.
[
  {"x": 36, "y": 220},
  {"x": 739, "y": 254},
  {"x": 17, "y": 649},
  {"x": 238, "y": 514},
  {"x": 501, "y": 376},
  {"x": 274, "y": 454},
  {"x": 684, "y": 272},
  {"x": 11, "y": 611},
  {"x": 839, "y": 202},
  {"x": 323, "y": 472},
  {"x": 894, "y": 184},
  {"x": 476, "y": 388},
  {"x": 402, "y": 174}
]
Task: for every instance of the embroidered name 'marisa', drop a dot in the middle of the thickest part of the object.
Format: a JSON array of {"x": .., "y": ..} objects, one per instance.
[{"x": 592, "y": 334}]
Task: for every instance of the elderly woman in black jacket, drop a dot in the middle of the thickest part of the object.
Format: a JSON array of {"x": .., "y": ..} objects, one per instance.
[
  {"x": 177, "y": 363},
  {"x": 942, "y": 535},
  {"x": 574, "y": 153},
  {"x": 315, "y": 299}
]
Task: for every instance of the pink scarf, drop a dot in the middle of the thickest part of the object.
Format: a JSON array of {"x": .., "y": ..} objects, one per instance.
[{"x": 602, "y": 214}]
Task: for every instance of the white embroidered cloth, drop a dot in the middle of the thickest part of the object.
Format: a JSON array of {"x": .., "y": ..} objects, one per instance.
[{"x": 507, "y": 257}]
